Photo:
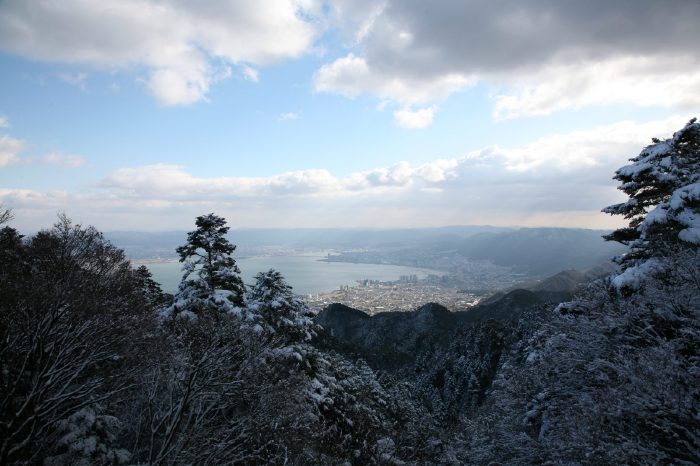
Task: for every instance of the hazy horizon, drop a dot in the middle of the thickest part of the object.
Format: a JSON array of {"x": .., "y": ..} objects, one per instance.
[
  {"x": 49, "y": 221},
  {"x": 234, "y": 229}
]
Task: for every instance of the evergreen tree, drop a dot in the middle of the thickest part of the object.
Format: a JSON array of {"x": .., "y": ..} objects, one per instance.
[
  {"x": 286, "y": 314},
  {"x": 211, "y": 277},
  {"x": 151, "y": 290},
  {"x": 663, "y": 185}
]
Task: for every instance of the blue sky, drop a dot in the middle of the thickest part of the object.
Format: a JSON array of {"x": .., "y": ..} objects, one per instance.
[{"x": 287, "y": 113}]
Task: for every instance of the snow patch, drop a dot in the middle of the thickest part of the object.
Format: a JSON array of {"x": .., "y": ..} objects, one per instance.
[{"x": 636, "y": 275}]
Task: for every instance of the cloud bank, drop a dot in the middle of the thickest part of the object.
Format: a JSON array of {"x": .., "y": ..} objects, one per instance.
[
  {"x": 539, "y": 56},
  {"x": 562, "y": 179}
]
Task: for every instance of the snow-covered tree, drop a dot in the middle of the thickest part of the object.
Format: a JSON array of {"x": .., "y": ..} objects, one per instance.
[
  {"x": 211, "y": 277},
  {"x": 73, "y": 329},
  {"x": 151, "y": 289},
  {"x": 663, "y": 185},
  {"x": 604, "y": 379},
  {"x": 88, "y": 376},
  {"x": 5, "y": 215},
  {"x": 610, "y": 377},
  {"x": 199, "y": 404},
  {"x": 87, "y": 437},
  {"x": 285, "y": 313}
]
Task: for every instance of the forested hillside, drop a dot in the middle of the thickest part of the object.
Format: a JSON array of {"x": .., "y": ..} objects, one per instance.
[{"x": 98, "y": 366}]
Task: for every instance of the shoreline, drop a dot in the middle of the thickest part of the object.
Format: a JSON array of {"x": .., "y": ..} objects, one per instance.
[
  {"x": 305, "y": 272},
  {"x": 319, "y": 255}
]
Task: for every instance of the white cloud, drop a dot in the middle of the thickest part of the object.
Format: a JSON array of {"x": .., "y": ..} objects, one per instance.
[
  {"x": 173, "y": 182},
  {"x": 413, "y": 119},
  {"x": 77, "y": 79},
  {"x": 251, "y": 74},
  {"x": 288, "y": 116},
  {"x": 179, "y": 86},
  {"x": 637, "y": 80},
  {"x": 351, "y": 76},
  {"x": 63, "y": 160},
  {"x": 182, "y": 45},
  {"x": 28, "y": 199},
  {"x": 559, "y": 180},
  {"x": 4, "y": 122},
  {"x": 562, "y": 179},
  {"x": 346, "y": 76},
  {"x": 10, "y": 149},
  {"x": 583, "y": 149}
]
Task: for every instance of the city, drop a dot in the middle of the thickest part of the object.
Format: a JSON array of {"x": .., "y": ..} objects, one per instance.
[{"x": 410, "y": 292}]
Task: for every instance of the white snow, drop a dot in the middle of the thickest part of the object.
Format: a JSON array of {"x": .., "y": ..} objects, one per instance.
[
  {"x": 690, "y": 235},
  {"x": 657, "y": 215},
  {"x": 635, "y": 276},
  {"x": 635, "y": 169}
]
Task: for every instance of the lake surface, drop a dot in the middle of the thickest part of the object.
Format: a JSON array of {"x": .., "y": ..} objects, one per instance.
[{"x": 307, "y": 274}]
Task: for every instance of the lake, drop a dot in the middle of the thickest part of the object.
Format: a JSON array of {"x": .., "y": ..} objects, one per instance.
[{"x": 307, "y": 274}]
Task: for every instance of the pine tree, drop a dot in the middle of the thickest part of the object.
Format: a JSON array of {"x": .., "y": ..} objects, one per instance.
[
  {"x": 151, "y": 290},
  {"x": 663, "y": 185},
  {"x": 286, "y": 314},
  {"x": 211, "y": 277}
]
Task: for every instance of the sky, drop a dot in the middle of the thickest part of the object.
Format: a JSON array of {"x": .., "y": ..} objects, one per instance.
[{"x": 142, "y": 115}]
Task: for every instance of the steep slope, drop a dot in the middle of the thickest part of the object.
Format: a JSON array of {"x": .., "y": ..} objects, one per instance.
[
  {"x": 392, "y": 340},
  {"x": 387, "y": 340}
]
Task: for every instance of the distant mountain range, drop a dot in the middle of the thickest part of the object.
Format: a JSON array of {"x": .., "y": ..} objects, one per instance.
[
  {"x": 534, "y": 252},
  {"x": 542, "y": 250},
  {"x": 146, "y": 245}
]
